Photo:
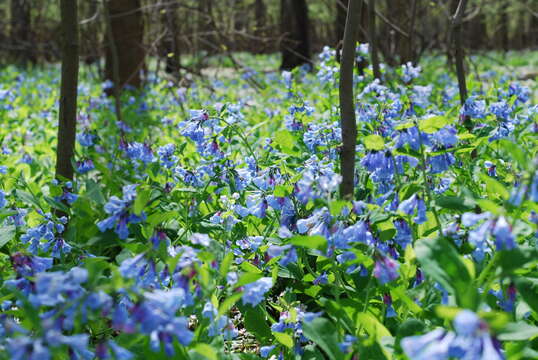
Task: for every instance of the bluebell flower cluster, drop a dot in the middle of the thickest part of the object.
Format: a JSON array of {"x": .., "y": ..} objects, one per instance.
[{"x": 120, "y": 213}]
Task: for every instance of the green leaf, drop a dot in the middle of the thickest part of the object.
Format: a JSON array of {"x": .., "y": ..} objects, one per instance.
[
  {"x": 248, "y": 267},
  {"x": 528, "y": 289},
  {"x": 515, "y": 151},
  {"x": 6, "y": 234},
  {"x": 141, "y": 200},
  {"x": 311, "y": 242},
  {"x": 494, "y": 188},
  {"x": 374, "y": 142},
  {"x": 518, "y": 331},
  {"x": 372, "y": 326},
  {"x": 248, "y": 278},
  {"x": 322, "y": 332},
  {"x": 510, "y": 260},
  {"x": 282, "y": 190},
  {"x": 256, "y": 323},
  {"x": 93, "y": 192},
  {"x": 206, "y": 351},
  {"x": 433, "y": 124},
  {"x": 284, "y": 339},
  {"x": 455, "y": 202},
  {"x": 229, "y": 302},
  {"x": 410, "y": 327},
  {"x": 441, "y": 262},
  {"x": 27, "y": 198},
  {"x": 286, "y": 141},
  {"x": 225, "y": 264}
]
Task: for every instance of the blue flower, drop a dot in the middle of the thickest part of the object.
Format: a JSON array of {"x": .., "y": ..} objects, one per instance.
[
  {"x": 474, "y": 108},
  {"x": 266, "y": 350},
  {"x": 410, "y": 72},
  {"x": 500, "y": 109},
  {"x": 85, "y": 166},
  {"x": 3, "y": 201},
  {"x": 504, "y": 239},
  {"x": 386, "y": 269},
  {"x": 86, "y": 139},
  {"x": 470, "y": 340},
  {"x": 120, "y": 215},
  {"x": 254, "y": 293}
]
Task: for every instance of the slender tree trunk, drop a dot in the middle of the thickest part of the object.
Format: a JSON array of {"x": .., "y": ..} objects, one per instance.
[
  {"x": 68, "y": 93},
  {"x": 21, "y": 32},
  {"x": 260, "y": 12},
  {"x": 373, "y": 39},
  {"x": 170, "y": 41},
  {"x": 505, "y": 39},
  {"x": 260, "y": 23},
  {"x": 341, "y": 13},
  {"x": 459, "y": 58},
  {"x": 458, "y": 49},
  {"x": 295, "y": 45},
  {"x": 113, "y": 64},
  {"x": 127, "y": 33},
  {"x": 347, "y": 106}
]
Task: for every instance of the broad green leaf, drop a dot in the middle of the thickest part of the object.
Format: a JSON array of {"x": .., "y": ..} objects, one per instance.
[
  {"x": 248, "y": 278},
  {"x": 528, "y": 288},
  {"x": 494, "y": 188},
  {"x": 519, "y": 331},
  {"x": 284, "y": 339},
  {"x": 227, "y": 304},
  {"x": 374, "y": 328},
  {"x": 433, "y": 124},
  {"x": 311, "y": 242},
  {"x": 7, "y": 233},
  {"x": 141, "y": 200},
  {"x": 256, "y": 323},
  {"x": 510, "y": 260},
  {"x": 249, "y": 268},
  {"x": 442, "y": 263},
  {"x": 206, "y": 350},
  {"x": 322, "y": 332},
  {"x": 374, "y": 142}
]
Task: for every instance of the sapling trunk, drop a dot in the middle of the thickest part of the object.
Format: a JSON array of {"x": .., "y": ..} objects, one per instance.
[
  {"x": 347, "y": 106},
  {"x": 373, "y": 39},
  {"x": 67, "y": 121},
  {"x": 459, "y": 57}
]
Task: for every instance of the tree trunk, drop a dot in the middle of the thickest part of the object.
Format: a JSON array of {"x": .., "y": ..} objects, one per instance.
[
  {"x": 459, "y": 58},
  {"x": 260, "y": 12},
  {"x": 341, "y": 13},
  {"x": 170, "y": 44},
  {"x": 21, "y": 32},
  {"x": 68, "y": 93},
  {"x": 127, "y": 34},
  {"x": 295, "y": 44},
  {"x": 347, "y": 107},
  {"x": 373, "y": 39},
  {"x": 504, "y": 30}
]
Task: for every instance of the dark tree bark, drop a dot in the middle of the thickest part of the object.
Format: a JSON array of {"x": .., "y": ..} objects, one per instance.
[
  {"x": 295, "y": 44},
  {"x": 170, "y": 42},
  {"x": 373, "y": 39},
  {"x": 127, "y": 33},
  {"x": 260, "y": 12},
  {"x": 347, "y": 106},
  {"x": 341, "y": 13},
  {"x": 113, "y": 64},
  {"x": 505, "y": 39},
  {"x": 458, "y": 49},
  {"x": 21, "y": 32},
  {"x": 459, "y": 57},
  {"x": 68, "y": 93}
]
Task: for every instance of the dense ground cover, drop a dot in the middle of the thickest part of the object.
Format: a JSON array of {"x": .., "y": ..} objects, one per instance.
[{"x": 207, "y": 224}]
